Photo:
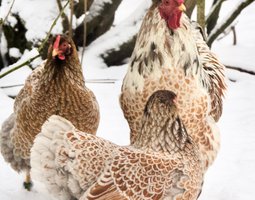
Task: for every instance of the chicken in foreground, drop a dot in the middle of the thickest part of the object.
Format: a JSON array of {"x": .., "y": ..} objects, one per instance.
[
  {"x": 170, "y": 53},
  {"x": 56, "y": 87},
  {"x": 163, "y": 163}
]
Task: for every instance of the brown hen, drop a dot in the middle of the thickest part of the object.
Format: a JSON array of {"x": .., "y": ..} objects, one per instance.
[
  {"x": 170, "y": 53},
  {"x": 164, "y": 163},
  {"x": 56, "y": 87}
]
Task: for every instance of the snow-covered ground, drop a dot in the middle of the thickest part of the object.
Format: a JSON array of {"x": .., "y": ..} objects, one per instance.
[{"x": 232, "y": 175}]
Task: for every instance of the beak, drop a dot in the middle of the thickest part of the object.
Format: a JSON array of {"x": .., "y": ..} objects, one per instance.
[
  {"x": 54, "y": 53},
  {"x": 182, "y": 7}
]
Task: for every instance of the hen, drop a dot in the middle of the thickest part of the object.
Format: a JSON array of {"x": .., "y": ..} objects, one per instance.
[
  {"x": 56, "y": 87},
  {"x": 170, "y": 53},
  {"x": 163, "y": 163}
]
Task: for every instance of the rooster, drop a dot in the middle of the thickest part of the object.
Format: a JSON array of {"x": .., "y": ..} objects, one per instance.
[
  {"x": 163, "y": 163},
  {"x": 56, "y": 87},
  {"x": 170, "y": 53}
]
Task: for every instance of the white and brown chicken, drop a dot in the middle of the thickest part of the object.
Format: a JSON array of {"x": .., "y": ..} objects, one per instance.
[
  {"x": 170, "y": 53},
  {"x": 163, "y": 163},
  {"x": 56, "y": 87}
]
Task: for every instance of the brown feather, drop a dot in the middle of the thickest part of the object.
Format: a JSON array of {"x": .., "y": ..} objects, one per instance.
[
  {"x": 178, "y": 60},
  {"x": 163, "y": 163},
  {"x": 56, "y": 87}
]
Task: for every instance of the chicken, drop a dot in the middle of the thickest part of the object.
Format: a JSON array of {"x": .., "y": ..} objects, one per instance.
[
  {"x": 162, "y": 163},
  {"x": 170, "y": 53},
  {"x": 56, "y": 87}
]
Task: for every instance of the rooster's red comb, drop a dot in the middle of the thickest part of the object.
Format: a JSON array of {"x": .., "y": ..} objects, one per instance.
[{"x": 56, "y": 43}]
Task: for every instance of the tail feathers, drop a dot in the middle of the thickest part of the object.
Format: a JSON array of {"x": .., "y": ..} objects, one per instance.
[
  {"x": 5, "y": 138},
  {"x": 54, "y": 125},
  {"x": 7, "y": 146},
  {"x": 45, "y": 155}
]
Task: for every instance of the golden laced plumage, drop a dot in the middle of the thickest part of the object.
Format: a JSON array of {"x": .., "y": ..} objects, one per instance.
[
  {"x": 177, "y": 60},
  {"x": 56, "y": 87},
  {"x": 164, "y": 163}
]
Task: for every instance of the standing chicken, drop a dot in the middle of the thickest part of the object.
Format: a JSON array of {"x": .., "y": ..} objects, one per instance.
[
  {"x": 57, "y": 87},
  {"x": 170, "y": 53},
  {"x": 163, "y": 163}
]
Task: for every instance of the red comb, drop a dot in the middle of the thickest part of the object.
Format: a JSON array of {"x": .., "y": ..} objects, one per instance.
[{"x": 56, "y": 43}]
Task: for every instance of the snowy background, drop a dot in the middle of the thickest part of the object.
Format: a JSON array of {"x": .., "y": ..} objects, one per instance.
[{"x": 231, "y": 177}]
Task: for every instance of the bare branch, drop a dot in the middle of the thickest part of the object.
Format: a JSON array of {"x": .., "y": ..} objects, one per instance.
[
  {"x": 2, "y": 21},
  {"x": 6, "y": 17},
  {"x": 215, "y": 7},
  {"x": 241, "y": 70},
  {"x": 79, "y": 7},
  {"x": 65, "y": 22},
  {"x": 52, "y": 26},
  {"x": 103, "y": 81},
  {"x": 234, "y": 35},
  {"x": 99, "y": 20},
  {"x": 39, "y": 49},
  {"x": 70, "y": 32},
  {"x": 19, "y": 66},
  {"x": 11, "y": 86},
  {"x": 226, "y": 32},
  {"x": 213, "y": 16},
  {"x": 84, "y": 30},
  {"x": 219, "y": 29}
]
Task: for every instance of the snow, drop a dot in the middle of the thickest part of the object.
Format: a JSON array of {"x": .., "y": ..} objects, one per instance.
[
  {"x": 96, "y": 7},
  {"x": 37, "y": 23},
  {"x": 124, "y": 13},
  {"x": 118, "y": 34},
  {"x": 14, "y": 52},
  {"x": 232, "y": 174}
]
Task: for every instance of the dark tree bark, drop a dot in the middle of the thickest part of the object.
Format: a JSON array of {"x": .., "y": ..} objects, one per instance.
[
  {"x": 115, "y": 56},
  {"x": 1, "y": 30},
  {"x": 98, "y": 25},
  {"x": 1, "y": 61},
  {"x": 78, "y": 7},
  {"x": 15, "y": 37}
]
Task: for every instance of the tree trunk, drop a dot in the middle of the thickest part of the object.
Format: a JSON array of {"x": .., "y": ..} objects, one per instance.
[
  {"x": 201, "y": 13},
  {"x": 78, "y": 7},
  {"x": 1, "y": 61},
  {"x": 98, "y": 24},
  {"x": 1, "y": 30},
  {"x": 116, "y": 56},
  {"x": 190, "y": 5},
  {"x": 65, "y": 21}
]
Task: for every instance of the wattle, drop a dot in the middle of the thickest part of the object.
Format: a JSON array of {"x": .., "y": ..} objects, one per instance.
[
  {"x": 173, "y": 21},
  {"x": 61, "y": 56}
]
